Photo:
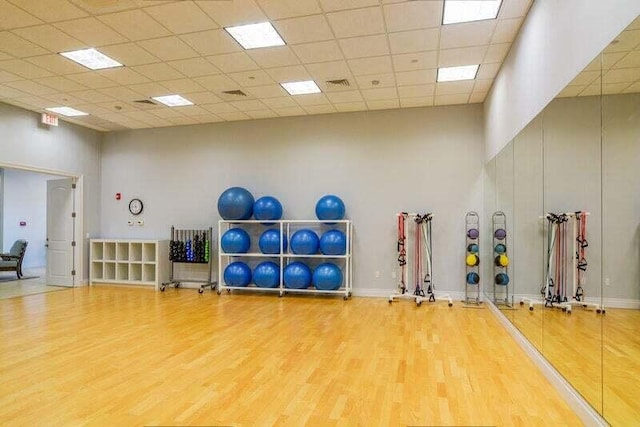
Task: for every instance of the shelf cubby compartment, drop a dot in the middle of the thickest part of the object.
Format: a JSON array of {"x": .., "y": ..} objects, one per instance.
[
  {"x": 135, "y": 272},
  {"x": 97, "y": 270},
  {"x": 135, "y": 252},
  {"x": 122, "y": 271},
  {"x": 122, "y": 251},
  {"x": 148, "y": 272},
  {"x": 109, "y": 271},
  {"x": 109, "y": 251},
  {"x": 97, "y": 251},
  {"x": 148, "y": 252}
]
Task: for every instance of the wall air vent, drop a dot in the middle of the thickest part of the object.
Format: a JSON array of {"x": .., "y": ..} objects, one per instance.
[
  {"x": 339, "y": 82},
  {"x": 235, "y": 92}
]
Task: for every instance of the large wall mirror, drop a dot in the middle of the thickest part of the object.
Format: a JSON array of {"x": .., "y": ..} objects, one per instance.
[{"x": 569, "y": 185}]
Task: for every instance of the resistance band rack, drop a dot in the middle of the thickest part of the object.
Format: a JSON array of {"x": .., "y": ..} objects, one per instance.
[
  {"x": 415, "y": 259},
  {"x": 501, "y": 280},
  {"x": 472, "y": 245},
  {"x": 190, "y": 247}
]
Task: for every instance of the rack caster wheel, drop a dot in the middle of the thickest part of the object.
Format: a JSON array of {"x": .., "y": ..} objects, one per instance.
[
  {"x": 450, "y": 304},
  {"x": 177, "y": 285},
  {"x": 219, "y": 291},
  {"x": 603, "y": 312},
  {"x": 390, "y": 301},
  {"x": 228, "y": 291},
  {"x": 162, "y": 290},
  {"x": 531, "y": 308},
  {"x": 200, "y": 291},
  {"x": 521, "y": 303},
  {"x": 418, "y": 302}
]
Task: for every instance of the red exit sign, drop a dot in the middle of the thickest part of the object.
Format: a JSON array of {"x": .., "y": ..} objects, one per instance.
[{"x": 49, "y": 119}]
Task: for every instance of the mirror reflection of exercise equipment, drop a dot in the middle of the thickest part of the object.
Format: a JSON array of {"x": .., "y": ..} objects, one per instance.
[{"x": 502, "y": 294}]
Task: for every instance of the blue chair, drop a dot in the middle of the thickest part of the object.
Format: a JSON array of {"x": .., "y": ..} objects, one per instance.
[{"x": 12, "y": 261}]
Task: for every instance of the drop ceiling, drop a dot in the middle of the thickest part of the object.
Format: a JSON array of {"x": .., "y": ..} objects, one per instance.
[{"x": 363, "y": 54}]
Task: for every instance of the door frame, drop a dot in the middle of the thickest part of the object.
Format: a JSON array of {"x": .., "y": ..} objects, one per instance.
[{"x": 78, "y": 203}]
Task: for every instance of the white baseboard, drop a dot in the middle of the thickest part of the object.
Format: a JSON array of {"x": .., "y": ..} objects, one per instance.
[{"x": 607, "y": 302}]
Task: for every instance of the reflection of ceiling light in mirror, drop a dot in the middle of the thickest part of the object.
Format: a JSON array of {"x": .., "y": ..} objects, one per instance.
[
  {"x": 173, "y": 100},
  {"x": 452, "y": 74},
  {"x": 67, "y": 111},
  {"x": 91, "y": 59},
  {"x": 253, "y": 36},
  {"x": 456, "y": 11},
  {"x": 301, "y": 88}
]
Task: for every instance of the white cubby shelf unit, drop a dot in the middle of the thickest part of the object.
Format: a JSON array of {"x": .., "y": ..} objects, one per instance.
[
  {"x": 128, "y": 262},
  {"x": 286, "y": 228}
]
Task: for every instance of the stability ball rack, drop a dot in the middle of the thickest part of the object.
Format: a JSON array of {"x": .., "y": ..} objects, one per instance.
[
  {"x": 190, "y": 247},
  {"x": 414, "y": 253},
  {"x": 501, "y": 291},
  {"x": 472, "y": 253}
]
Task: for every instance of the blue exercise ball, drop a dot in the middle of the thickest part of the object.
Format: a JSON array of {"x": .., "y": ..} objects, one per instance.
[
  {"x": 235, "y": 203},
  {"x": 235, "y": 241},
  {"x": 333, "y": 242},
  {"x": 502, "y": 279},
  {"x": 327, "y": 277},
  {"x": 267, "y": 275},
  {"x": 473, "y": 248},
  {"x": 297, "y": 276},
  {"x": 269, "y": 242},
  {"x": 237, "y": 274},
  {"x": 473, "y": 278},
  {"x": 267, "y": 208},
  {"x": 330, "y": 207},
  {"x": 304, "y": 242}
]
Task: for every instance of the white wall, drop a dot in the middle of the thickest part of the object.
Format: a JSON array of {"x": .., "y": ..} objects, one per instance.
[
  {"x": 68, "y": 148},
  {"x": 380, "y": 163},
  {"x": 25, "y": 199},
  {"x": 557, "y": 40}
]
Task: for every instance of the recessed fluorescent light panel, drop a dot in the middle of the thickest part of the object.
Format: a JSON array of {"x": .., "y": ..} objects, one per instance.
[
  {"x": 67, "y": 111},
  {"x": 301, "y": 88},
  {"x": 456, "y": 11},
  {"x": 253, "y": 36},
  {"x": 452, "y": 74},
  {"x": 173, "y": 100},
  {"x": 91, "y": 58}
]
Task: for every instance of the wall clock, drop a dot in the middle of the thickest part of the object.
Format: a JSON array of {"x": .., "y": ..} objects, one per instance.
[{"x": 135, "y": 206}]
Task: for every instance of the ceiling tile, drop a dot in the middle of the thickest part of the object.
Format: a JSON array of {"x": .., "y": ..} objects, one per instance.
[
  {"x": 192, "y": 110},
  {"x": 622, "y": 75},
  {"x": 57, "y": 64},
  {"x": 231, "y": 117},
  {"x": 281, "y": 102},
  {"x": 373, "y": 65},
  {"x": 488, "y": 71},
  {"x": 61, "y": 84},
  {"x": 124, "y": 76},
  {"x": 181, "y": 17},
  {"x": 615, "y": 88},
  {"x": 282, "y": 9},
  {"x": 631, "y": 60},
  {"x": 182, "y": 86},
  {"x": 216, "y": 83},
  {"x": 233, "y": 62},
  {"x": 417, "y": 91},
  {"x": 35, "y": 101},
  {"x": 166, "y": 113},
  {"x": 361, "y": 47},
  {"x": 289, "y": 74},
  {"x": 414, "y": 41},
  {"x": 346, "y": 96},
  {"x": 482, "y": 85},
  {"x": 23, "y": 69},
  {"x": 31, "y": 87},
  {"x": 17, "y": 46},
  {"x": 50, "y": 38},
  {"x": 514, "y": 8},
  {"x": 8, "y": 77},
  {"x": 204, "y": 97},
  {"x": 14, "y": 17},
  {"x": 415, "y": 61},
  {"x": 329, "y": 70},
  {"x": 626, "y": 41},
  {"x": 268, "y": 91},
  {"x": 4, "y": 56},
  {"x": 194, "y": 67},
  {"x": 462, "y": 56},
  {"x": 251, "y": 78},
  {"x": 467, "y": 34},
  {"x": 290, "y": 111},
  {"x": 270, "y": 57},
  {"x": 121, "y": 93},
  {"x": 383, "y": 104},
  {"x": 376, "y": 81},
  {"x": 506, "y": 30},
  {"x": 426, "y": 101},
  {"x": 168, "y": 48},
  {"x": 413, "y": 15},
  {"x": 382, "y": 93},
  {"x": 357, "y": 22},
  {"x": 220, "y": 108},
  {"x": 261, "y": 114},
  {"x": 66, "y": 99},
  {"x": 453, "y": 88},
  {"x": 304, "y": 30},
  {"x": 92, "y": 96},
  {"x": 50, "y": 10},
  {"x": 312, "y": 99},
  {"x": 567, "y": 92},
  {"x": 9, "y": 92},
  {"x": 497, "y": 52},
  {"x": 409, "y": 78},
  {"x": 477, "y": 97},
  {"x": 634, "y": 88},
  {"x": 147, "y": 90},
  {"x": 585, "y": 78},
  {"x": 451, "y": 99},
  {"x": 351, "y": 106},
  {"x": 209, "y": 118},
  {"x": 135, "y": 25},
  {"x": 249, "y": 105},
  {"x": 333, "y": 5},
  {"x": 157, "y": 72},
  {"x": 184, "y": 121},
  {"x": 211, "y": 42},
  {"x": 319, "y": 109},
  {"x": 229, "y": 13},
  {"x": 142, "y": 116},
  {"x": 318, "y": 52},
  {"x": 129, "y": 54},
  {"x": 610, "y": 59},
  {"x": 92, "y": 80},
  {"x": 91, "y": 32}
]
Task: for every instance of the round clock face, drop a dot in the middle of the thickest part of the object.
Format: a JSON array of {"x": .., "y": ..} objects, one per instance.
[{"x": 135, "y": 206}]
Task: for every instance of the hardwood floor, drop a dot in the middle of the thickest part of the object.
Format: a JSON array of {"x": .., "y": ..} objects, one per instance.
[{"x": 126, "y": 356}]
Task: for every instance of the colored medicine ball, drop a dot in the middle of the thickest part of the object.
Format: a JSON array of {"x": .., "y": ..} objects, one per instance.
[
  {"x": 472, "y": 260},
  {"x": 500, "y": 234},
  {"x": 502, "y": 261},
  {"x": 500, "y": 248},
  {"x": 473, "y": 233},
  {"x": 502, "y": 279},
  {"x": 473, "y": 248},
  {"x": 473, "y": 278}
]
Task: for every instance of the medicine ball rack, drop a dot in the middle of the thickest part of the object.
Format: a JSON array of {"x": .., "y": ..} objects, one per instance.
[
  {"x": 286, "y": 229},
  {"x": 190, "y": 247},
  {"x": 502, "y": 294},
  {"x": 472, "y": 253}
]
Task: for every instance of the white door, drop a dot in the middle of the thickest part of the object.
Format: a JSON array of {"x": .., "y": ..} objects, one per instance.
[{"x": 60, "y": 235}]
